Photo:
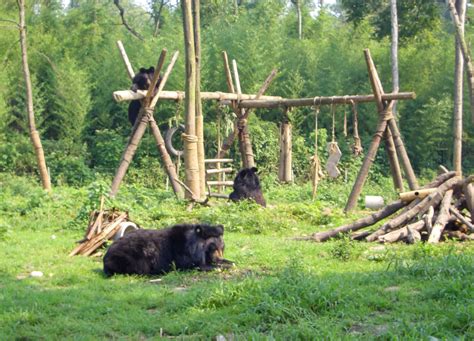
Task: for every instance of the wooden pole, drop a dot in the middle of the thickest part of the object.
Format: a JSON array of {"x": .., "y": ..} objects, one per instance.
[
  {"x": 392, "y": 124},
  {"x": 168, "y": 163},
  {"x": 126, "y": 61},
  {"x": 34, "y": 134},
  {"x": 305, "y": 102},
  {"x": 130, "y": 149},
  {"x": 245, "y": 144},
  {"x": 264, "y": 102},
  {"x": 393, "y": 161},
  {"x": 190, "y": 139},
  {"x": 285, "y": 164},
  {"x": 199, "y": 115},
  {"x": 368, "y": 160}
]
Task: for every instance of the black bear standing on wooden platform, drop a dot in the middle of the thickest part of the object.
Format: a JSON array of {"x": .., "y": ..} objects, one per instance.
[
  {"x": 153, "y": 252},
  {"x": 247, "y": 186},
  {"x": 141, "y": 81}
]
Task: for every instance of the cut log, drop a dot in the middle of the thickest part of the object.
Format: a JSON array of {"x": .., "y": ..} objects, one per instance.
[
  {"x": 442, "y": 219},
  {"x": 413, "y": 236},
  {"x": 468, "y": 191},
  {"x": 458, "y": 235},
  {"x": 431, "y": 200},
  {"x": 359, "y": 224},
  {"x": 461, "y": 218},
  {"x": 402, "y": 233},
  {"x": 428, "y": 218}
]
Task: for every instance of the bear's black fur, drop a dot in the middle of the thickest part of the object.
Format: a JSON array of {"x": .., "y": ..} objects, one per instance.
[
  {"x": 247, "y": 186},
  {"x": 141, "y": 81},
  {"x": 152, "y": 252}
]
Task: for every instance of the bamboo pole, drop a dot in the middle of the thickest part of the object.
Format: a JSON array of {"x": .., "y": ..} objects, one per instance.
[
  {"x": 190, "y": 139},
  {"x": 199, "y": 115},
  {"x": 249, "y": 101},
  {"x": 126, "y": 61},
  {"x": 421, "y": 193},
  {"x": 229, "y": 140},
  {"x": 245, "y": 145},
  {"x": 34, "y": 134},
  {"x": 321, "y": 100}
]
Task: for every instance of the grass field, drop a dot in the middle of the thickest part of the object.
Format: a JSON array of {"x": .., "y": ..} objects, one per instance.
[{"x": 279, "y": 289}]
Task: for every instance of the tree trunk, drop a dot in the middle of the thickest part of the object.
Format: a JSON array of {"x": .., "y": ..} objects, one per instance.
[
  {"x": 458, "y": 95},
  {"x": 190, "y": 139},
  {"x": 442, "y": 219},
  {"x": 465, "y": 51},
  {"x": 394, "y": 50},
  {"x": 300, "y": 19},
  {"x": 199, "y": 116},
  {"x": 34, "y": 135}
]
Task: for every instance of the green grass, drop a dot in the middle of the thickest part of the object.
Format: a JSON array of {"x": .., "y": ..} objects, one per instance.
[{"x": 280, "y": 288}]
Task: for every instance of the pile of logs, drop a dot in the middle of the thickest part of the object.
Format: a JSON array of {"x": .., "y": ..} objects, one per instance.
[
  {"x": 103, "y": 225},
  {"x": 442, "y": 209}
]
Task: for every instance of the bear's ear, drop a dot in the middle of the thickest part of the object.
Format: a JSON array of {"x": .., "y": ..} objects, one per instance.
[
  {"x": 220, "y": 229},
  {"x": 254, "y": 169},
  {"x": 142, "y": 70},
  {"x": 151, "y": 69}
]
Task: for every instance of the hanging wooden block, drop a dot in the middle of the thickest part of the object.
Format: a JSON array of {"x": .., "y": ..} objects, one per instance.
[{"x": 334, "y": 157}]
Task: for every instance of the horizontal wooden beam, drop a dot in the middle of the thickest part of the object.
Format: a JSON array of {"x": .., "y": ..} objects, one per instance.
[
  {"x": 218, "y": 195},
  {"x": 219, "y": 183},
  {"x": 319, "y": 100},
  {"x": 129, "y": 95},
  {"x": 218, "y": 160},
  {"x": 219, "y": 170}
]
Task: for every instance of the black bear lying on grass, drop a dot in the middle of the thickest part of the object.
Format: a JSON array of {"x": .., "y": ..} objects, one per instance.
[
  {"x": 141, "y": 81},
  {"x": 153, "y": 252},
  {"x": 247, "y": 186}
]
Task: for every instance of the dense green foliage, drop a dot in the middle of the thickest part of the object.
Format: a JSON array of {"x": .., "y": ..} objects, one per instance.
[
  {"x": 75, "y": 67},
  {"x": 279, "y": 289}
]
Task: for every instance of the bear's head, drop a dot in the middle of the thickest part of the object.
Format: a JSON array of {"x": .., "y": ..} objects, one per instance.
[
  {"x": 142, "y": 80},
  {"x": 212, "y": 238},
  {"x": 247, "y": 177}
]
